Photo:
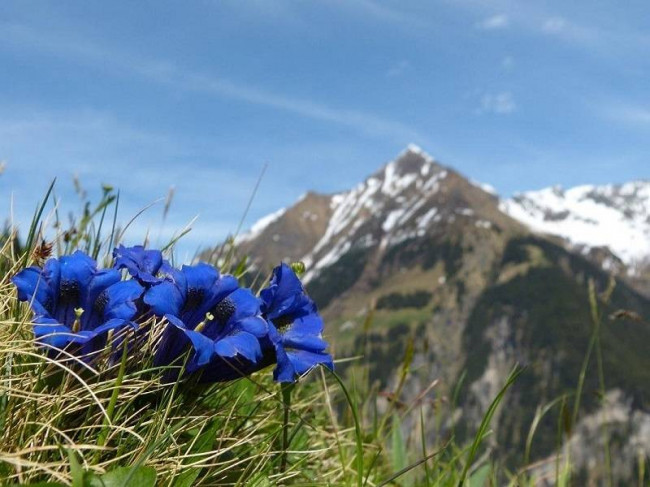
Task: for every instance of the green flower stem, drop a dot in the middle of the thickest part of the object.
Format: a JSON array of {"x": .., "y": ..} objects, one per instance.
[
  {"x": 286, "y": 402},
  {"x": 103, "y": 435}
]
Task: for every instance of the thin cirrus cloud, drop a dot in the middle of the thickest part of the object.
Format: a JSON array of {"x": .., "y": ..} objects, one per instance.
[
  {"x": 600, "y": 37},
  {"x": 382, "y": 12},
  {"x": 101, "y": 149},
  {"x": 567, "y": 30},
  {"x": 162, "y": 71},
  {"x": 508, "y": 63},
  {"x": 495, "y": 22},
  {"x": 629, "y": 114},
  {"x": 554, "y": 25},
  {"x": 398, "y": 69},
  {"x": 362, "y": 122},
  {"x": 502, "y": 103}
]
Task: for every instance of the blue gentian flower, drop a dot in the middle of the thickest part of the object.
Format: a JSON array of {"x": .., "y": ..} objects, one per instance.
[
  {"x": 143, "y": 265},
  {"x": 74, "y": 302},
  {"x": 211, "y": 314},
  {"x": 295, "y": 326}
]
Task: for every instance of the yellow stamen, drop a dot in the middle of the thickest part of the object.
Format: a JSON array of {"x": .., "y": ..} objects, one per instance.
[
  {"x": 76, "y": 326},
  {"x": 208, "y": 317}
]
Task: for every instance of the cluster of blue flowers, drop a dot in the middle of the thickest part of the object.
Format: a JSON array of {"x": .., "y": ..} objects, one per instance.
[{"x": 228, "y": 330}]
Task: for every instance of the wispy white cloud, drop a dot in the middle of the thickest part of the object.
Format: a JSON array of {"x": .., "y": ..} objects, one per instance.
[
  {"x": 100, "y": 149},
  {"x": 495, "y": 22},
  {"x": 212, "y": 179},
  {"x": 554, "y": 25},
  {"x": 563, "y": 28},
  {"x": 381, "y": 11},
  {"x": 360, "y": 121},
  {"x": 169, "y": 73},
  {"x": 602, "y": 38},
  {"x": 398, "y": 69},
  {"x": 634, "y": 115},
  {"x": 508, "y": 63},
  {"x": 502, "y": 103}
]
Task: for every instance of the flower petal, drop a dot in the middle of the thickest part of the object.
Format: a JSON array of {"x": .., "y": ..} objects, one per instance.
[
  {"x": 310, "y": 343},
  {"x": 121, "y": 298},
  {"x": 78, "y": 267},
  {"x": 255, "y": 325},
  {"x": 246, "y": 304},
  {"x": 140, "y": 263},
  {"x": 203, "y": 350},
  {"x": 173, "y": 343},
  {"x": 200, "y": 276},
  {"x": 310, "y": 324},
  {"x": 221, "y": 370},
  {"x": 77, "y": 271},
  {"x": 100, "y": 281},
  {"x": 177, "y": 322},
  {"x": 284, "y": 293},
  {"x": 241, "y": 343},
  {"x": 113, "y": 324},
  {"x": 48, "y": 331},
  {"x": 203, "y": 346},
  {"x": 284, "y": 370},
  {"x": 303, "y": 360},
  {"x": 33, "y": 287},
  {"x": 165, "y": 298}
]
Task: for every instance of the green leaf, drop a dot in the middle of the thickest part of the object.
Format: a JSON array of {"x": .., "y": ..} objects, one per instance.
[
  {"x": 398, "y": 447},
  {"x": 76, "y": 470},
  {"x": 357, "y": 428},
  {"x": 479, "y": 478},
  {"x": 124, "y": 477},
  {"x": 485, "y": 423},
  {"x": 33, "y": 229},
  {"x": 203, "y": 444},
  {"x": 240, "y": 270}
]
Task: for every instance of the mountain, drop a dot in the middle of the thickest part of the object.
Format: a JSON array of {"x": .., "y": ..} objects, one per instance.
[
  {"x": 613, "y": 216},
  {"x": 419, "y": 257},
  {"x": 413, "y": 228},
  {"x": 610, "y": 224}
]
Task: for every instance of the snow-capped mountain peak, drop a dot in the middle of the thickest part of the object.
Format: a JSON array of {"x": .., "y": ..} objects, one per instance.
[
  {"x": 415, "y": 197},
  {"x": 616, "y": 216},
  {"x": 380, "y": 208}
]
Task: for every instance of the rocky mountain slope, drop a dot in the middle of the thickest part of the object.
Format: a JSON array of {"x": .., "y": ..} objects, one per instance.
[{"x": 438, "y": 261}]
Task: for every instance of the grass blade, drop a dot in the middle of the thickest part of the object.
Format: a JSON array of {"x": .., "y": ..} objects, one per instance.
[{"x": 485, "y": 423}]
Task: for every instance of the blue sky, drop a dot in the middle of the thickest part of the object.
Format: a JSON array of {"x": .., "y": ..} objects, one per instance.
[{"x": 200, "y": 95}]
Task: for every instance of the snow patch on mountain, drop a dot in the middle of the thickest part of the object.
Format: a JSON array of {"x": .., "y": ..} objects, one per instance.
[
  {"x": 388, "y": 200},
  {"x": 260, "y": 225},
  {"x": 613, "y": 216},
  {"x": 416, "y": 149},
  {"x": 488, "y": 188},
  {"x": 430, "y": 216}
]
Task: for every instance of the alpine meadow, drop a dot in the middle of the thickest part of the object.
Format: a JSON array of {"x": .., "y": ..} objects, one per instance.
[{"x": 337, "y": 243}]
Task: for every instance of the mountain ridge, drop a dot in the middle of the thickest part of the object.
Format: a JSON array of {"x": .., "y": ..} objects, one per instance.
[
  {"x": 615, "y": 217},
  {"x": 417, "y": 253}
]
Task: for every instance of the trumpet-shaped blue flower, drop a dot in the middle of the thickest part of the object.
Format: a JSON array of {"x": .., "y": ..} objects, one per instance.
[
  {"x": 144, "y": 265},
  {"x": 74, "y": 302},
  {"x": 295, "y": 327},
  {"x": 213, "y": 315}
]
